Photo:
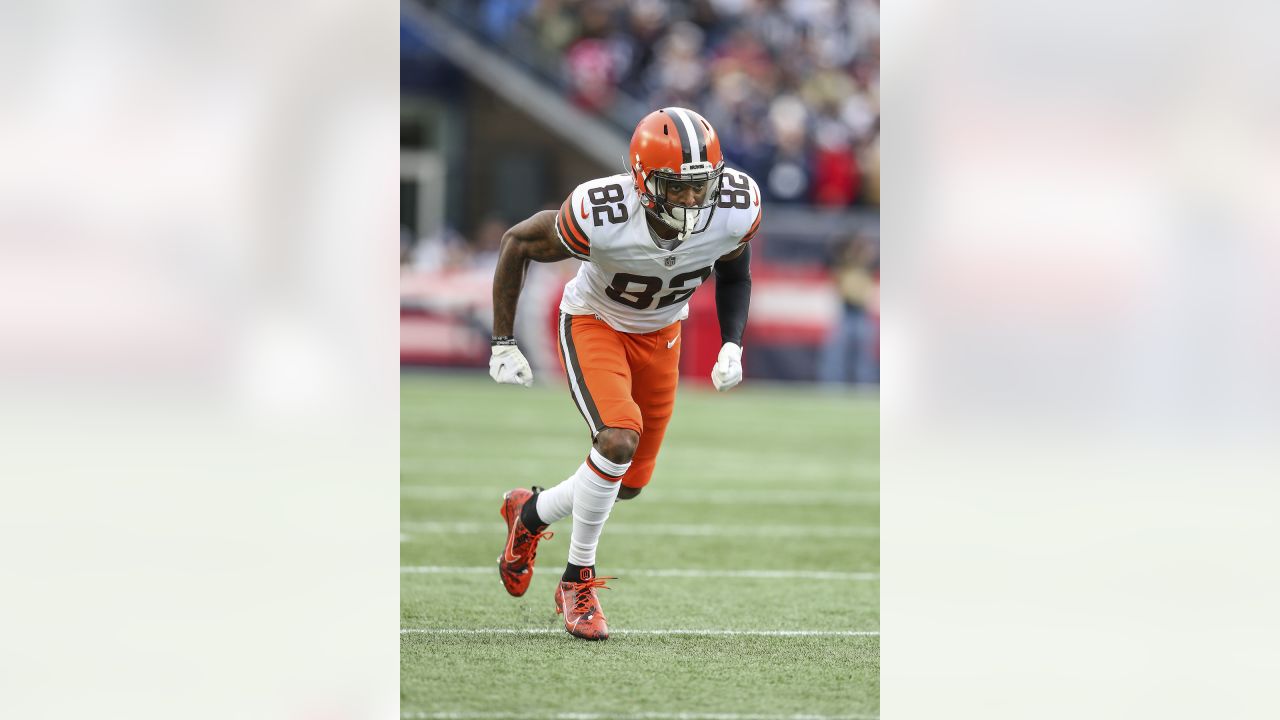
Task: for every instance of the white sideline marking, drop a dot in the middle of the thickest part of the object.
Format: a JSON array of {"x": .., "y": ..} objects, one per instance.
[
  {"x": 664, "y": 572},
  {"x": 826, "y": 531},
  {"x": 553, "y": 631},
  {"x": 727, "y": 497},
  {"x": 421, "y": 715}
]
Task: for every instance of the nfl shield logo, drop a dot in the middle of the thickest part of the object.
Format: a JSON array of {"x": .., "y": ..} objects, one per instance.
[{"x": 669, "y": 260}]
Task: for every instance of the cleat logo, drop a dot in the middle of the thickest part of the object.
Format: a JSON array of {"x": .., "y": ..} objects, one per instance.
[{"x": 507, "y": 556}]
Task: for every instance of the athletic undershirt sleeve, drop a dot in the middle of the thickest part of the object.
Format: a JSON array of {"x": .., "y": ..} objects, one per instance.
[{"x": 733, "y": 295}]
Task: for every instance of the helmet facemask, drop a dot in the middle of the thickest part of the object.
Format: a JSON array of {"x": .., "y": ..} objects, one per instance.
[{"x": 690, "y": 218}]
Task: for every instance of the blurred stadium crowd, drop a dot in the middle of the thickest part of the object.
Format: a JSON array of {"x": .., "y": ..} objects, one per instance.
[{"x": 792, "y": 86}]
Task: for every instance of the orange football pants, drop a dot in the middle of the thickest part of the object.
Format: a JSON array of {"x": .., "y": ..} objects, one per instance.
[{"x": 622, "y": 380}]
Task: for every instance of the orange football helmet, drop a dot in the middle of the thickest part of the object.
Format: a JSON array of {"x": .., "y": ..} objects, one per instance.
[{"x": 677, "y": 149}]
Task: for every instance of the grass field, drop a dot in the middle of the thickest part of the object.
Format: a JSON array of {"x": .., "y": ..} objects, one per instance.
[{"x": 754, "y": 553}]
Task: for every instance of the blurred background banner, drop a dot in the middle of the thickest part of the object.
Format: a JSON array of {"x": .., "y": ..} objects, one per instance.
[{"x": 507, "y": 105}]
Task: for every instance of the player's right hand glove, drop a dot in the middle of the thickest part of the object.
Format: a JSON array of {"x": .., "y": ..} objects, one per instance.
[{"x": 507, "y": 365}]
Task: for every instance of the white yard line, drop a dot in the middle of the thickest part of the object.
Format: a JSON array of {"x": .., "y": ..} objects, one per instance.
[
  {"x": 662, "y": 572},
  {"x": 423, "y": 715},
  {"x": 658, "y": 529},
  {"x": 725, "y": 497},
  {"x": 678, "y": 631},
  {"x": 795, "y": 469}
]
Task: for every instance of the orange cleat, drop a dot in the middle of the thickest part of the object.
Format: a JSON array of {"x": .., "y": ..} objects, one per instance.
[
  {"x": 578, "y": 603},
  {"x": 515, "y": 564}
]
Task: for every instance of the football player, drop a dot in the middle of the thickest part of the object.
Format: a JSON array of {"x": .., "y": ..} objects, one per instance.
[{"x": 647, "y": 238}]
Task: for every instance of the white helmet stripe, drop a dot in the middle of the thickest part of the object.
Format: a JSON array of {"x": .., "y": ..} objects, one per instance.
[{"x": 687, "y": 121}]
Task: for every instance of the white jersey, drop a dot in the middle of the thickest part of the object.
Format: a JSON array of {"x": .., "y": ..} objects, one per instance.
[{"x": 626, "y": 279}]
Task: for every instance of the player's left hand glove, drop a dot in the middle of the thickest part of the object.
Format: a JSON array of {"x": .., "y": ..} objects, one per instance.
[{"x": 728, "y": 369}]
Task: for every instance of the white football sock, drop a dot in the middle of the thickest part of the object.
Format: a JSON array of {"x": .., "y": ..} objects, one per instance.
[
  {"x": 595, "y": 488},
  {"x": 556, "y": 503}
]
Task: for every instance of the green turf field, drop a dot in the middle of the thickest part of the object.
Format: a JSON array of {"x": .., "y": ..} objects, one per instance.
[{"x": 754, "y": 553}]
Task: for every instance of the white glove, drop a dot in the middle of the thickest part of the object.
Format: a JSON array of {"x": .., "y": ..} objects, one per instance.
[
  {"x": 507, "y": 365},
  {"x": 728, "y": 369}
]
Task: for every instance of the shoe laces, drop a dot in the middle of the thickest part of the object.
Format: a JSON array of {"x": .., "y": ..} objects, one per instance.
[
  {"x": 526, "y": 539},
  {"x": 583, "y": 595},
  {"x": 526, "y": 535}
]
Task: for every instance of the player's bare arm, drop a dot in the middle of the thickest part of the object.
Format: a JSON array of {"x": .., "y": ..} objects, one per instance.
[{"x": 532, "y": 239}]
